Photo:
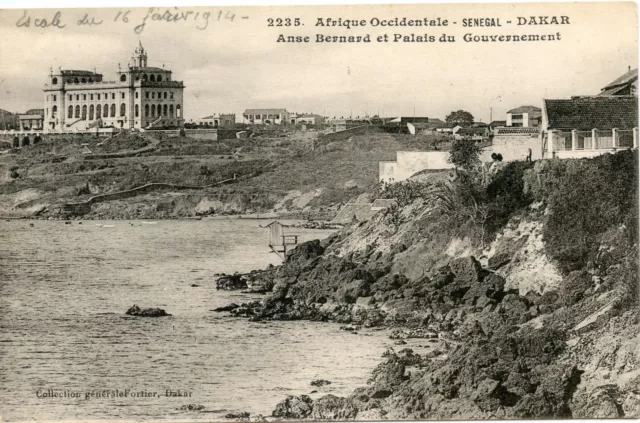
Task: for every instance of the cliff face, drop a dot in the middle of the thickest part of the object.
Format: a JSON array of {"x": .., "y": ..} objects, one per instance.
[{"x": 534, "y": 306}]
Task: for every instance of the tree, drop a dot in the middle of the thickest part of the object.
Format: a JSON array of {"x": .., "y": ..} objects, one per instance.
[
  {"x": 464, "y": 154},
  {"x": 461, "y": 117}
]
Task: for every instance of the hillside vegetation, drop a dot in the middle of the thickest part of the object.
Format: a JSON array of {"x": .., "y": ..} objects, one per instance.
[{"x": 288, "y": 175}]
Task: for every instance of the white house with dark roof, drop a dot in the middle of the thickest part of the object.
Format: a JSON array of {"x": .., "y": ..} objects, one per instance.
[
  {"x": 524, "y": 116},
  {"x": 589, "y": 126}
]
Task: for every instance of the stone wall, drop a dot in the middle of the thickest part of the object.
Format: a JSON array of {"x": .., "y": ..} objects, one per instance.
[{"x": 513, "y": 147}]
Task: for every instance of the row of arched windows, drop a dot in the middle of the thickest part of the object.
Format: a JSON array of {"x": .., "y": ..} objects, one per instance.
[
  {"x": 151, "y": 78},
  {"x": 94, "y": 113}
]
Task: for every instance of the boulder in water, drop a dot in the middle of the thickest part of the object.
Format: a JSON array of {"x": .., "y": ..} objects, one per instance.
[
  {"x": 229, "y": 307},
  {"x": 320, "y": 382},
  {"x": 243, "y": 415},
  {"x": 146, "y": 312}
]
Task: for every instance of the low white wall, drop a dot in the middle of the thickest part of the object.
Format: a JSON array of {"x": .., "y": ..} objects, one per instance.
[
  {"x": 387, "y": 171},
  {"x": 409, "y": 163}
]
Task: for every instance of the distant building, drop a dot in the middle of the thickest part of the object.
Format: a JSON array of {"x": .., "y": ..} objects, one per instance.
[
  {"x": 142, "y": 96},
  {"x": 308, "y": 118},
  {"x": 473, "y": 133},
  {"x": 524, "y": 116},
  {"x": 216, "y": 120},
  {"x": 32, "y": 120},
  {"x": 266, "y": 116},
  {"x": 627, "y": 84}
]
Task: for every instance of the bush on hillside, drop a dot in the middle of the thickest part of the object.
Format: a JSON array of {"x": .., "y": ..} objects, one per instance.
[
  {"x": 506, "y": 195},
  {"x": 404, "y": 192},
  {"x": 598, "y": 194}
]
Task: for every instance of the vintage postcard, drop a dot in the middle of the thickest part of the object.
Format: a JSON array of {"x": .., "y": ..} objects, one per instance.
[{"x": 346, "y": 212}]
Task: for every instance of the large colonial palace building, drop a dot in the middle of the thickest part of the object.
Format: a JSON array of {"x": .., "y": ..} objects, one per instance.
[{"x": 141, "y": 97}]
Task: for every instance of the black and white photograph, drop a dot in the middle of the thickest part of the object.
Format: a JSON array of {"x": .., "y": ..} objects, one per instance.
[{"x": 330, "y": 212}]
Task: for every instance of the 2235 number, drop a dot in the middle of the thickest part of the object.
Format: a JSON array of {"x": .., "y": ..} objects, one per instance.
[{"x": 284, "y": 22}]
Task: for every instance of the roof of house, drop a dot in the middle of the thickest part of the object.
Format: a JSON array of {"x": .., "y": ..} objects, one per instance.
[
  {"x": 625, "y": 79},
  {"x": 264, "y": 111},
  {"x": 586, "y": 113},
  {"x": 524, "y": 109},
  {"x": 34, "y": 112},
  {"x": 442, "y": 125},
  {"x": 150, "y": 69},
  {"x": 498, "y": 123}
]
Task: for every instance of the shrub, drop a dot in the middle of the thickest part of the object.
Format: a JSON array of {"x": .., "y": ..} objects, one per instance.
[
  {"x": 404, "y": 192},
  {"x": 464, "y": 154},
  {"x": 505, "y": 194},
  {"x": 597, "y": 195}
]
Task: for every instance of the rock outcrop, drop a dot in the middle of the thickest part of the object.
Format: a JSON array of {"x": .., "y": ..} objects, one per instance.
[{"x": 146, "y": 312}]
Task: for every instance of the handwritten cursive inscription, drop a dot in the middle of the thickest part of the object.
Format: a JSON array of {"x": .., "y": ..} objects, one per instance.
[{"x": 26, "y": 21}]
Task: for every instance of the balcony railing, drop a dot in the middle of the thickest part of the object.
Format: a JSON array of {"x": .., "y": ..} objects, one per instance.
[{"x": 596, "y": 139}]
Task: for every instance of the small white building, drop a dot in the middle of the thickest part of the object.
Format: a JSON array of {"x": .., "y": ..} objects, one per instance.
[{"x": 266, "y": 116}]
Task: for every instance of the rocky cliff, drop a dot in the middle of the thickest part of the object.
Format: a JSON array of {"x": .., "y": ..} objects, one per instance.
[{"x": 529, "y": 293}]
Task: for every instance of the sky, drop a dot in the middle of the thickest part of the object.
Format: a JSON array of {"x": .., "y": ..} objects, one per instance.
[{"x": 233, "y": 65}]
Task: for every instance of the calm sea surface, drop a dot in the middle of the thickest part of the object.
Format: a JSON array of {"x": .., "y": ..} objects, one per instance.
[{"x": 63, "y": 293}]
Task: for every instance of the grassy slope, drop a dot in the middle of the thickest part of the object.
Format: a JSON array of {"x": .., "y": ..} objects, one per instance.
[{"x": 59, "y": 172}]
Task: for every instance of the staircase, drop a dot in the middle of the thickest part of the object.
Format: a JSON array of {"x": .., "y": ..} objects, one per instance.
[
  {"x": 154, "y": 122},
  {"x": 95, "y": 124}
]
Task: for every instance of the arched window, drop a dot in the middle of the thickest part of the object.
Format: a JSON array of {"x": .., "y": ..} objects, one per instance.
[
  {"x": 76, "y": 81},
  {"x": 105, "y": 110},
  {"x": 159, "y": 78},
  {"x": 84, "y": 80},
  {"x": 54, "y": 111},
  {"x": 123, "y": 109},
  {"x": 137, "y": 110},
  {"x": 84, "y": 112},
  {"x": 178, "y": 111},
  {"x": 165, "y": 94},
  {"x": 144, "y": 77},
  {"x": 77, "y": 112},
  {"x": 171, "y": 110},
  {"x": 91, "y": 110},
  {"x": 136, "y": 94},
  {"x": 113, "y": 110},
  {"x": 98, "y": 111},
  {"x": 123, "y": 77},
  {"x": 70, "y": 114},
  {"x": 54, "y": 81},
  {"x": 153, "y": 110},
  {"x": 146, "y": 110},
  {"x": 152, "y": 78},
  {"x": 165, "y": 110},
  {"x": 91, "y": 80}
]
